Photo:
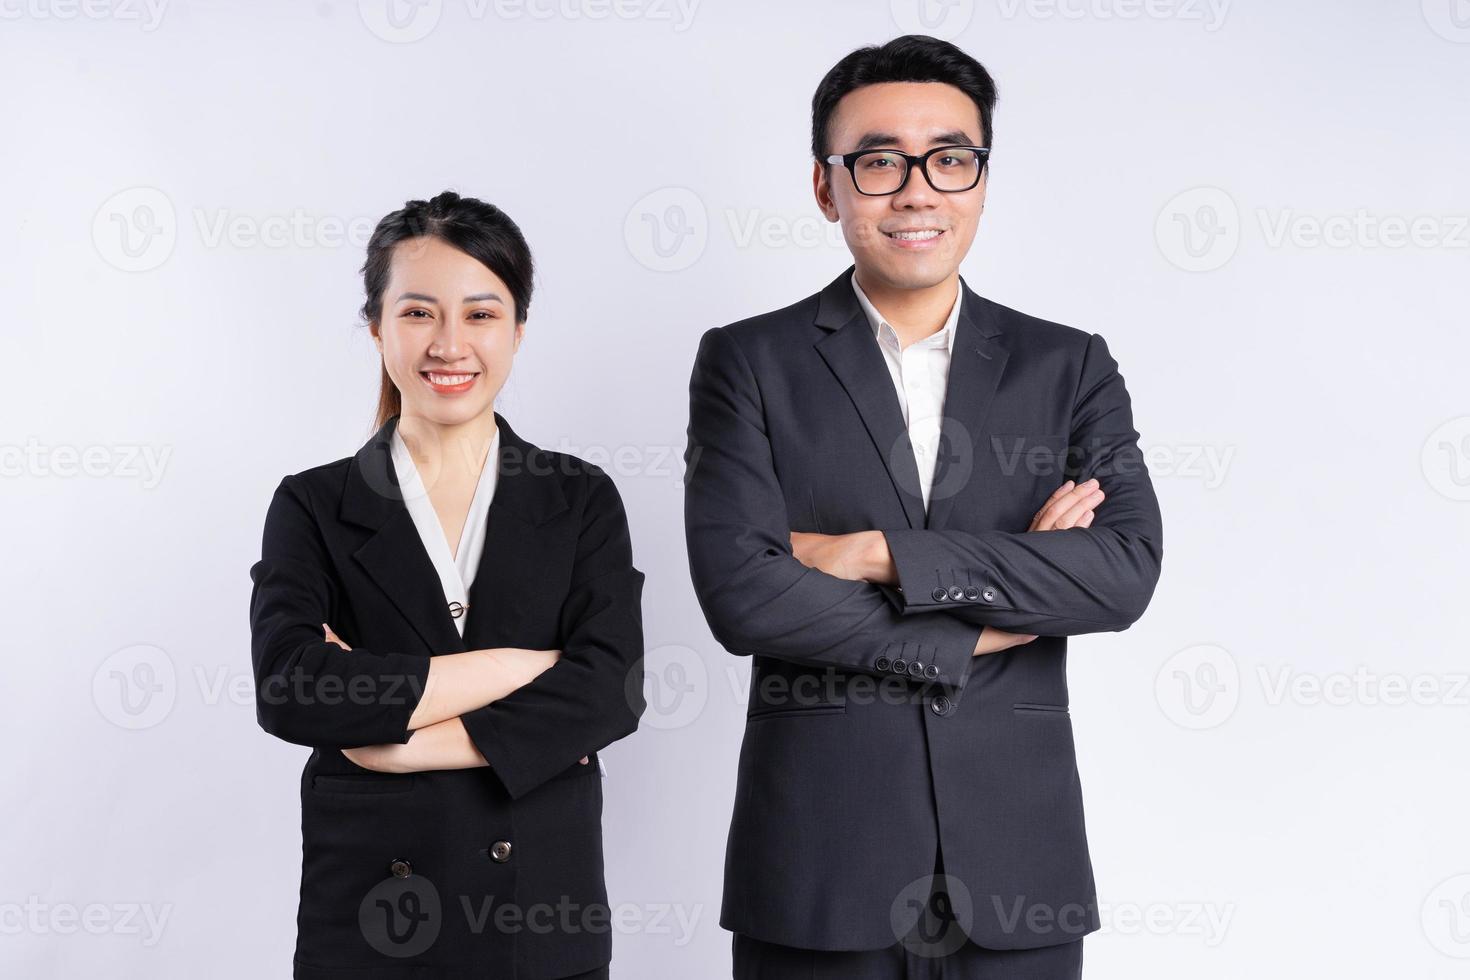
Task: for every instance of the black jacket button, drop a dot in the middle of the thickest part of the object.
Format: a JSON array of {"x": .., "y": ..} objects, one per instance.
[
  {"x": 500, "y": 851},
  {"x": 401, "y": 869},
  {"x": 988, "y": 595},
  {"x": 882, "y": 663},
  {"x": 956, "y": 593},
  {"x": 939, "y": 594},
  {"x": 939, "y": 705},
  {"x": 972, "y": 593},
  {"x": 915, "y": 668},
  {"x": 899, "y": 666},
  {"x": 931, "y": 671}
]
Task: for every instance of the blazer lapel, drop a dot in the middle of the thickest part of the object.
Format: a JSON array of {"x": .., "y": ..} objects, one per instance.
[
  {"x": 526, "y": 494},
  {"x": 394, "y": 556},
  {"x": 975, "y": 368},
  {"x": 851, "y": 351}
]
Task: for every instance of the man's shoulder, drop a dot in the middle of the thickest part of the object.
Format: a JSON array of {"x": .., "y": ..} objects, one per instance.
[
  {"x": 774, "y": 325},
  {"x": 1032, "y": 329}
]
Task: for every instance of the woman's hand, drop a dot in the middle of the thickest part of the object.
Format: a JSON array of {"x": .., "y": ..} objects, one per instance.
[
  {"x": 333, "y": 637},
  {"x": 1068, "y": 506}
]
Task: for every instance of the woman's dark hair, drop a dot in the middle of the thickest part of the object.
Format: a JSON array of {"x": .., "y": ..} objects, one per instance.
[
  {"x": 480, "y": 230},
  {"x": 911, "y": 58}
]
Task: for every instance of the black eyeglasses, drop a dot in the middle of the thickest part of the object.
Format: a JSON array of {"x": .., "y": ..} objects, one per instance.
[{"x": 880, "y": 172}]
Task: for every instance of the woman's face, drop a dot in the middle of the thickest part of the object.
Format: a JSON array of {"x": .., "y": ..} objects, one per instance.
[{"x": 448, "y": 331}]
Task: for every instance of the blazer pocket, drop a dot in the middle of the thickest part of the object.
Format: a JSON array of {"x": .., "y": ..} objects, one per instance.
[
  {"x": 1035, "y": 706},
  {"x": 363, "y": 783}
]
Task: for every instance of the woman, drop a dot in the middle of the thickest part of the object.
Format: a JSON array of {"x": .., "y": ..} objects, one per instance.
[{"x": 450, "y": 619}]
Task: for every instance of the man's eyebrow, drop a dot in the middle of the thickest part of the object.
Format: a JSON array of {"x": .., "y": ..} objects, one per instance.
[
  {"x": 873, "y": 141},
  {"x": 476, "y": 298}
]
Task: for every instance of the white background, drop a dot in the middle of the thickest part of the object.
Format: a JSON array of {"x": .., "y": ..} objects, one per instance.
[{"x": 1261, "y": 206}]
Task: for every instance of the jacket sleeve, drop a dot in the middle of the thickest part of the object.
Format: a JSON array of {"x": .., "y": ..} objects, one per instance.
[
  {"x": 1054, "y": 583},
  {"x": 308, "y": 690},
  {"x": 593, "y": 695},
  {"x": 757, "y": 597}
]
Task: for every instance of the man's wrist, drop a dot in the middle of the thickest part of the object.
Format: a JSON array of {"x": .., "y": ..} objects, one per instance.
[{"x": 878, "y": 560}]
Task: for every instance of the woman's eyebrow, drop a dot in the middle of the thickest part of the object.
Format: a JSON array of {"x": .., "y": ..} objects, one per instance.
[{"x": 476, "y": 298}]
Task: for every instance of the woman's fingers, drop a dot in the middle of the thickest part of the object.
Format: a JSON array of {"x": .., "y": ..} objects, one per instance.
[{"x": 333, "y": 637}]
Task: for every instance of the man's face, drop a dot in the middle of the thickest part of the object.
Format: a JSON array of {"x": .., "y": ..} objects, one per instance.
[{"x": 913, "y": 117}]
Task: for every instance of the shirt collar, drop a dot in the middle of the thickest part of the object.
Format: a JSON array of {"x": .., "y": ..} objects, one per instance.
[{"x": 880, "y": 325}]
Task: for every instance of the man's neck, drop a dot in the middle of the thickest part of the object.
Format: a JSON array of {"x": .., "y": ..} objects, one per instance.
[{"x": 913, "y": 313}]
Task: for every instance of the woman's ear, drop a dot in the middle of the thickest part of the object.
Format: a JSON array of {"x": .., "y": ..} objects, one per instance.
[{"x": 520, "y": 334}]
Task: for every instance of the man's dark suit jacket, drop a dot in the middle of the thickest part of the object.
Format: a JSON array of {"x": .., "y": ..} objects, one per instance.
[
  {"x": 341, "y": 548},
  {"x": 873, "y": 737}
]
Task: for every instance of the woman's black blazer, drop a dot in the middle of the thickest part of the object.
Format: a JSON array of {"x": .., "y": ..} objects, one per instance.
[{"x": 470, "y": 872}]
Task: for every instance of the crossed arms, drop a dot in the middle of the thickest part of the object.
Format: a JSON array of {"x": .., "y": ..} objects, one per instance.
[
  {"x": 528, "y": 714},
  {"x": 766, "y": 591}
]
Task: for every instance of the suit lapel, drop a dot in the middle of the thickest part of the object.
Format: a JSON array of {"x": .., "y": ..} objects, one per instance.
[
  {"x": 527, "y": 494},
  {"x": 394, "y": 556},
  {"x": 851, "y": 351},
  {"x": 975, "y": 368}
]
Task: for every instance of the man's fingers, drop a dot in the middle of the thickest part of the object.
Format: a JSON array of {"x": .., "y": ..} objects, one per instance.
[
  {"x": 1067, "y": 503},
  {"x": 1073, "y": 514},
  {"x": 333, "y": 637},
  {"x": 1059, "y": 492}
]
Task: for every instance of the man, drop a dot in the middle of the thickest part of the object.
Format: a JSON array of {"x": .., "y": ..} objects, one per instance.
[{"x": 907, "y": 497}]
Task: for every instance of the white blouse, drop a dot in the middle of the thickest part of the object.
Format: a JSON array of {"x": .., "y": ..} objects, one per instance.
[{"x": 457, "y": 571}]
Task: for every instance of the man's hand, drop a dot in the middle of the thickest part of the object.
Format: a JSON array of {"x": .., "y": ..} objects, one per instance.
[
  {"x": 333, "y": 637},
  {"x": 859, "y": 557},
  {"x": 1068, "y": 506}
]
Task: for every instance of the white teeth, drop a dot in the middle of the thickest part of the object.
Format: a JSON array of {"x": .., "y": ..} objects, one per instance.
[
  {"x": 449, "y": 379},
  {"x": 915, "y": 236}
]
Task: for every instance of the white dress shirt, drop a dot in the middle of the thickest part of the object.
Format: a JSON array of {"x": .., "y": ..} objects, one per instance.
[
  {"x": 920, "y": 375},
  {"x": 457, "y": 571}
]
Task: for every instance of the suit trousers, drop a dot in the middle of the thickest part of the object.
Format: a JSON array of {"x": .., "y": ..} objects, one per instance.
[{"x": 934, "y": 949}]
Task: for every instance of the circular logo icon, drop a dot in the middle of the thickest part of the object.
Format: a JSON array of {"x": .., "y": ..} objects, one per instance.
[
  {"x": 1198, "y": 687},
  {"x": 400, "y": 21},
  {"x": 1450, "y": 19},
  {"x": 135, "y": 687},
  {"x": 1198, "y": 230},
  {"x": 135, "y": 230},
  {"x": 401, "y": 917},
  {"x": 1446, "y": 917},
  {"x": 667, "y": 230},
  {"x": 673, "y": 683},
  {"x": 944, "y": 19},
  {"x": 933, "y": 915},
  {"x": 1445, "y": 459}
]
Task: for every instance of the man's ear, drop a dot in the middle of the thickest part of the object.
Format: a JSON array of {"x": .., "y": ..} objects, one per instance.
[
  {"x": 822, "y": 188},
  {"x": 519, "y": 336}
]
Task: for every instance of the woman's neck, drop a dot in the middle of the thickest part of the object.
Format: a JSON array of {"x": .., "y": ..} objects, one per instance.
[{"x": 452, "y": 450}]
